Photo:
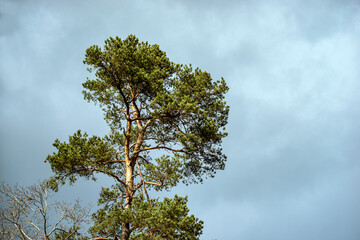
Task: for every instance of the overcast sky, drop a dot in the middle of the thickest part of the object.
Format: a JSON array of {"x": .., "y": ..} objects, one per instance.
[{"x": 293, "y": 68}]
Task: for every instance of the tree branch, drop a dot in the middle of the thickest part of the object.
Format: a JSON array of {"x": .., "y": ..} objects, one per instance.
[
  {"x": 142, "y": 179},
  {"x": 154, "y": 183},
  {"x": 115, "y": 161},
  {"x": 141, "y": 118},
  {"x": 56, "y": 224},
  {"x": 132, "y": 145},
  {"x": 107, "y": 173},
  {"x": 161, "y": 147}
]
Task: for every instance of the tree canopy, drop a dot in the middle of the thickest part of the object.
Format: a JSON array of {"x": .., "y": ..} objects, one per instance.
[{"x": 167, "y": 122}]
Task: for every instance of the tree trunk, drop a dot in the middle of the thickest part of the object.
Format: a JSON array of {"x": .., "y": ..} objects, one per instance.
[
  {"x": 125, "y": 227},
  {"x": 125, "y": 231}
]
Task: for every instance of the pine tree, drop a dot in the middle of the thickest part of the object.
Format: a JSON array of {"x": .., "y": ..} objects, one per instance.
[{"x": 167, "y": 122}]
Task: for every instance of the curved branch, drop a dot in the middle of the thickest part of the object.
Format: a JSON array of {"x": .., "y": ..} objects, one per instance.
[
  {"x": 107, "y": 173},
  {"x": 125, "y": 101},
  {"x": 161, "y": 147},
  {"x": 115, "y": 161}
]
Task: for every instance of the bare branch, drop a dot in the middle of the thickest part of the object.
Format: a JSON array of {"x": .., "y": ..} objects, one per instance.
[{"x": 25, "y": 210}]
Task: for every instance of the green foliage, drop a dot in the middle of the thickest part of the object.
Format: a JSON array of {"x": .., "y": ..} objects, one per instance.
[
  {"x": 187, "y": 107},
  {"x": 82, "y": 156},
  {"x": 167, "y": 219},
  {"x": 71, "y": 234},
  {"x": 150, "y": 219},
  {"x": 150, "y": 104}
]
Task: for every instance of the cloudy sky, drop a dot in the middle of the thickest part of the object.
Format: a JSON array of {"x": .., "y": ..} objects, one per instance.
[{"x": 293, "y": 169}]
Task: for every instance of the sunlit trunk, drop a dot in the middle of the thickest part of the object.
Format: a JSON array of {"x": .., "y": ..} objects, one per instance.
[{"x": 125, "y": 227}]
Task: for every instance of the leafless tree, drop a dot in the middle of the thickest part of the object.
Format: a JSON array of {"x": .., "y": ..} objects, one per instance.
[{"x": 30, "y": 213}]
